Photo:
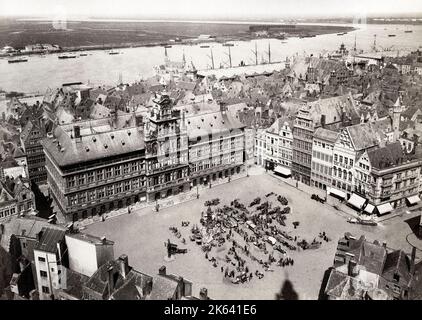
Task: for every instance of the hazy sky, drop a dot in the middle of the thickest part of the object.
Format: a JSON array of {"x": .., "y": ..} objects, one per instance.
[{"x": 206, "y": 8}]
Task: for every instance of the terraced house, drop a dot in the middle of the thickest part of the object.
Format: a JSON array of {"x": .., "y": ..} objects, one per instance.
[
  {"x": 216, "y": 147},
  {"x": 16, "y": 197},
  {"x": 331, "y": 113}
]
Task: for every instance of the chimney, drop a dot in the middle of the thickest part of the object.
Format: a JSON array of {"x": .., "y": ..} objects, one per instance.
[
  {"x": 39, "y": 235},
  {"x": 412, "y": 261},
  {"x": 384, "y": 245},
  {"x": 162, "y": 271},
  {"x": 110, "y": 280},
  {"x": 203, "y": 294},
  {"x": 223, "y": 108},
  {"x": 322, "y": 120},
  {"x": 77, "y": 132},
  {"x": 124, "y": 265},
  {"x": 103, "y": 240},
  {"x": 351, "y": 265}
]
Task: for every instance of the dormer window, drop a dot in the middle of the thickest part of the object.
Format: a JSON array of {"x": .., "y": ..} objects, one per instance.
[
  {"x": 396, "y": 277},
  {"x": 123, "y": 143},
  {"x": 105, "y": 146},
  {"x": 112, "y": 136},
  {"x": 87, "y": 149}
]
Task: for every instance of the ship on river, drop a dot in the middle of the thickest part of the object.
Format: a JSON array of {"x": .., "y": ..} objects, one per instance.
[
  {"x": 17, "y": 60},
  {"x": 67, "y": 56}
]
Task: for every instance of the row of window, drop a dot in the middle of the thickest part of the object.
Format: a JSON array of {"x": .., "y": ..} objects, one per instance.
[
  {"x": 107, "y": 191},
  {"x": 317, "y": 167},
  {"x": 323, "y": 145},
  {"x": 7, "y": 212},
  {"x": 342, "y": 174},
  {"x": 343, "y": 160},
  {"x": 322, "y": 156},
  {"x": 102, "y": 174},
  {"x": 216, "y": 161}
]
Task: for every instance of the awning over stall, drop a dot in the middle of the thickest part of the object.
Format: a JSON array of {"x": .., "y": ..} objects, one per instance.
[
  {"x": 369, "y": 208},
  {"x": 384, "y": 208},
  {"x": 336, "y": 192},
  {"x": 413, "y": 199},
  {"x": 283, "y": 171},
  {"x": 356, "y": 201}
]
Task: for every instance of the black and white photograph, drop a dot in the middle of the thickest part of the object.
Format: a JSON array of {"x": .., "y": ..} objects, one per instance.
[{"x": 212, "y": 150}]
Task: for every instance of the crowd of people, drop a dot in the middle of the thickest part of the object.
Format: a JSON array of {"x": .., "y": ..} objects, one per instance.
[{"x": 248, "y": 240}]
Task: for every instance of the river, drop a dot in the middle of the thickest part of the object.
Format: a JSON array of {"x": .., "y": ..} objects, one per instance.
[{"x": 40, "y": 73}]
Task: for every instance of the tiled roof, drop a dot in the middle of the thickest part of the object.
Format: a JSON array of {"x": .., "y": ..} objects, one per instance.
[
  {"x": 49, "y": 239},
  {"x": 363, "y": 136},
  {"x": 163, "y": 288},
  {"x": 372, "y": 257},
  {"x": 100, "y": 139},
  {"x": 211, "y": 123},
  {"x": 397, "y": 262},
  {"x": 124, "y": 288},
  {"x": 390, "y": 155},
  {"x": 344, "y": 287},
  {"x": 23, "y": 226},
  {"x": 325, "y": 134},
  {"x": 74, "y": 283},
  {"x": 333, "y": 108}
]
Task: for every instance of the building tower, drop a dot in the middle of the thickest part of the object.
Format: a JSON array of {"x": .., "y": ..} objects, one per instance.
[
  {"x": 166, "y": 151},
  {"x": 310, "y": 73},
  {"x": 396, "y": 119}
]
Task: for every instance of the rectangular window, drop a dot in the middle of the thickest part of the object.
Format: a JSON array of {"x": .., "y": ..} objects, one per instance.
[
  {"x": 45, "y": 289},
  {"x": 127, "y": 185},
  {"x": 100, "y": 175},
  {"x": 134, "y": 167},
  {"x": 90, "y": 177},
  {"x": 335, "y": 157},
  {"x": 81, "y": 180},
  {"x": 41, "y": 259},
  {"x": 126, "y": 168},
  {"x": 100, "y": 193},
  {"x": 71, "y": 182},
  {"x": 117, "y": 171},
  {"x": 109, "y": 191},
  {"x": 82, "y": 197},
  {"x": 108, "y": 173},
  {"x": 91, "y": 195}
]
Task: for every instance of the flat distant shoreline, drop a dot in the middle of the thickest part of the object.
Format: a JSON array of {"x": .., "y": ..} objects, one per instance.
[{"x": 105, "y": 34}]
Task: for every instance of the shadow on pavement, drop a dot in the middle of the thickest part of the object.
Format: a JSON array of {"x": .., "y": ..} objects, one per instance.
[
  {"x": 414, "y": 225},
  {"x": 42, "y": 203}
]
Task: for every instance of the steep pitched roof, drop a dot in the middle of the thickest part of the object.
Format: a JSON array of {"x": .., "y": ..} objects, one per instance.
[
  {"x": 363, "y": 136},
  {"x": 397, "y": 262},
  {"x": 125, "y": 288},
  {"x": 49, "y": 239},
  {"x": 333, "y": 109}
]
